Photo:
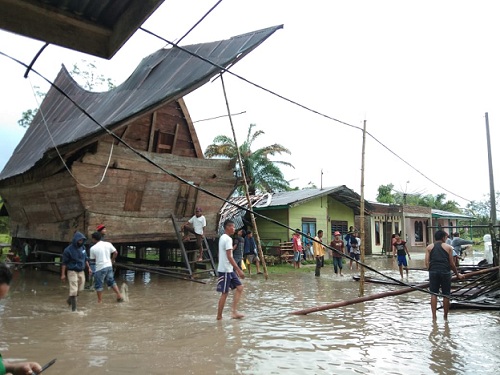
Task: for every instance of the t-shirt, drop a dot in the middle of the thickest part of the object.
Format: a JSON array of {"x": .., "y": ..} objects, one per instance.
[
  {"x": 337, "y": 245},
  {"x": 297, "y": 243},
  {"x": 101, "y": 252},
  {"x": 2, "y": 368},
  {"x": 225, "y": 243},
  {"x": 355, "y": 245},
  {"x": 198, "y": 223},
  {"x": 400, "y": 248}
]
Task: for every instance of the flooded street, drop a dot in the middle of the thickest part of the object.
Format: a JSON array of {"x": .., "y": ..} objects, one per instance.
[{"x": 169, "y": 327}]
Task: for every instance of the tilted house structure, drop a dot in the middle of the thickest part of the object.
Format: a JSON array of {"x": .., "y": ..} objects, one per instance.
[{"x": 68, "y": 173}]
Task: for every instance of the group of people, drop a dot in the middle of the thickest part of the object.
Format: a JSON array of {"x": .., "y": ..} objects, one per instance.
[
  {"x": 351, "y": 246},
  {"x": 245, "y": 251},
  {"x": 98, "y": 263}
]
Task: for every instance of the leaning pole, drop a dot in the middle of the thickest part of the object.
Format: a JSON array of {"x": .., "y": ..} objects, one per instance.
[
  {"x": 247, "y": 194},
  {"x": 382, "y": 295}
]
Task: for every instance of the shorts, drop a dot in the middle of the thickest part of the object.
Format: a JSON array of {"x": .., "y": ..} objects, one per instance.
[
  {"x": 106, "y": 274},
  {"x": 354, "y": 255},
  {"x": 252, "y": 258},
  {"x": 296, "y": 256},
  {"x": 76, "y": 282},
  {"x": 402, "y": 260},
  {"x": 440, "y": 279},
  {"x": 227, "y": 280}
]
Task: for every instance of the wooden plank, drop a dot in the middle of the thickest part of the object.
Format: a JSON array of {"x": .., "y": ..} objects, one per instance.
[
  {"x": 176, "y": 133},
  {"x": 152, "y": 131},
  {"x": 192, "y": 131}
]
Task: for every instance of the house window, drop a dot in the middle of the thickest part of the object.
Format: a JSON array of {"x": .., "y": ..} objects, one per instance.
[
  {"x": 396, "y": 227},
  {"x": 308, "y": 226},
  {"x": 340, "y": 226},
  {"x": 419, "y": 231},
  {"x": 377, "y": 233}
]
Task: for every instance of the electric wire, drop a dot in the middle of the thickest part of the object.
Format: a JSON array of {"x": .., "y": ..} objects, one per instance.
[
  {"x": 199, "y": 188},
  {"x": 291, "y": 101},
  {"x": 57, "y": 149}
]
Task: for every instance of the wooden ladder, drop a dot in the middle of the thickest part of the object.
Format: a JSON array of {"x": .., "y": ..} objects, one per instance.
[{"x": 195, "y": 267}]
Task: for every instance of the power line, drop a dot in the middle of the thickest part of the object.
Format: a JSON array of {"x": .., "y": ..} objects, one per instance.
[
  {"x": 200, "y": 20},
  {"x": 225, "y": 70},
  {"x": 247, "y": 210}
]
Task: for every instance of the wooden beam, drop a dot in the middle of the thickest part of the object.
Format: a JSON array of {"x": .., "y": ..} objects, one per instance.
[
  {"x": 152, "y": 132},
  {"x": 382, "y": 295},
  {"x": 175, "y": 138},
  {"x": 192, "y": 131},
  {"x": 43, "y": 22}
]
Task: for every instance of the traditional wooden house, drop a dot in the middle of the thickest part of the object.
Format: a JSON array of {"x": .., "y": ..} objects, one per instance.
[
  {"x": 100, "y": 158},
  {"x": 329, "y": 209}
]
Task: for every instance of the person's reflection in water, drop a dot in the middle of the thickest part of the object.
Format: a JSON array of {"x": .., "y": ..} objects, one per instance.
[{"x": 444, "y": 351}]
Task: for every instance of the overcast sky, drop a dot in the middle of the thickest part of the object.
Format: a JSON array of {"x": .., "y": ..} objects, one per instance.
[{"x": 421, "y": 73}]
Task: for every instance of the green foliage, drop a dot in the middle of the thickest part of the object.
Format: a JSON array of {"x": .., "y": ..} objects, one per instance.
[
  {"x": 262, "y": 173},
  {"x": 387, "y": 194},
  {"x": 482, "y": 208},
  {"x": 88, "y": 77}
]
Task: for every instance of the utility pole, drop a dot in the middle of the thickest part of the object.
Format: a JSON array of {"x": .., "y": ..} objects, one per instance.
[
  {"x": 247, "y": 194},
  {"x": 493, "y": 207},
  {"x": 362, "y": 216}
]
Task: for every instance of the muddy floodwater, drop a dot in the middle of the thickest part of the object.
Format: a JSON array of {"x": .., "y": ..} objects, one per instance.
[{"x": 169, "y": 327}]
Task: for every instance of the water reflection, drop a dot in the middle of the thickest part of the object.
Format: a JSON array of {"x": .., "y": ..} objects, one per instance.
[
  {"x": 169, "y": 326},
  {"x": 444, "y": 352}
]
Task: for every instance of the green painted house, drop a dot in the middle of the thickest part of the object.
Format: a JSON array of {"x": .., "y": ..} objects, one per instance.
[{"x": 328, "y": 209}]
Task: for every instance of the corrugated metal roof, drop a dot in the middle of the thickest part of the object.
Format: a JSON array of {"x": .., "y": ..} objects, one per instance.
[
  {"x": 450, "y": 215},
  {"x": 163, "y": 76},
  {"x": 289, "y": 198}
]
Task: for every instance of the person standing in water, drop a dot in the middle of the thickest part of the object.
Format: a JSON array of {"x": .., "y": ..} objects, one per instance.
[
  {"x": 439, "y": 262},
  {"x": 229, "y": 273}
]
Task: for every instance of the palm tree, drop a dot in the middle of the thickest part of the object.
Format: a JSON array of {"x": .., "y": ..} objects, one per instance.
[{"x": 263, "y": 174}]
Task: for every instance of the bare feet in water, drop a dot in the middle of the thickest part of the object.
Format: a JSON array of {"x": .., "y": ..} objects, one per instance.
[{"x": 236, "y": 315}]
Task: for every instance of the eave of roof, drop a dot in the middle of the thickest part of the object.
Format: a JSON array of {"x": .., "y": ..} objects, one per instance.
[
  {"x": 99, "y": 28},
  {"x": 164, "y": 76},
  {"x": 440, "y": 214}
]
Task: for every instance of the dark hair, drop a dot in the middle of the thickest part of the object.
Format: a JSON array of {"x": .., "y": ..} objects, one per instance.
[
  {"x": 456, "y": 234},
  {"x": 5, "y": 274},
  {"x": 227, "y": 222},
  {"x": 320, "y": 231},
  {"x": 249, "y": 232},
  {"x": 97, "y": 236},
  {"x": 440, "y": 235}
]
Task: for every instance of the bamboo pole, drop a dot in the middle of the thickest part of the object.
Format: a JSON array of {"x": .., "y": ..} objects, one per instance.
[
  {"x": 362, "y": 216},
  {"x": 247, "y": 194},
  {"x": 381, "y": 295},
  {"x": 493, "y": 209}
]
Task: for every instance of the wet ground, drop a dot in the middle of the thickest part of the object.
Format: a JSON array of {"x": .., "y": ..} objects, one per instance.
[{"x": 169, "y": 327}]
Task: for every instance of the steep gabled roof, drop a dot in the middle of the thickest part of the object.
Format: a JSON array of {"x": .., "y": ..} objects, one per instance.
[{"x": 164, "y": 76}]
